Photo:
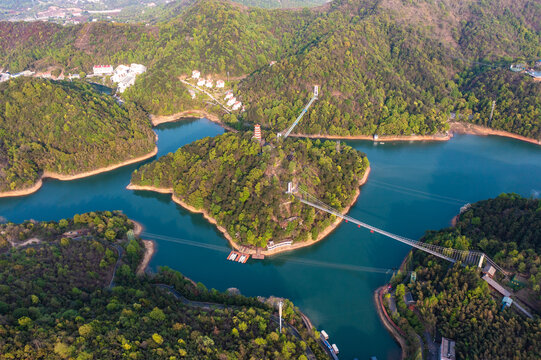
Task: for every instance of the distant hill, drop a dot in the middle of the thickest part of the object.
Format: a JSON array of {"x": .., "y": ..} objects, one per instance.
[
  {"x": 392, "y": 67},
  {"x": 65, "y": 128},
  {"x": 384, "y": 67},
  {"x": 283, "y": 4}
]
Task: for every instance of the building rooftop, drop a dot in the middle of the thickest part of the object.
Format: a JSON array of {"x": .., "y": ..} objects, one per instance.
[{"x": 447, "y": 349}]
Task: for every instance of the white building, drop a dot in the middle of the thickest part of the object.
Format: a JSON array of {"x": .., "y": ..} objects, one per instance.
[
  {"x": 201, "y": 82},
  {"x": 196, "y": 74},
  {"x": 192, "y": 93},
  {"x": 103, "y": 70},
  {"x": 138, "y": 69},
  {"x": 220, "y": 84},
  {"x": 229, "y": 95},
  {"x": 237, "y": 105},
  {"x": 231, "y": 101},
  {"x": 209, "y": 84},
  {"x": 120, "y": 73},
  {"x": 4, "y": 77},
  {"x": 125, "y": 83},
  {"x": 74, "y": 76}
]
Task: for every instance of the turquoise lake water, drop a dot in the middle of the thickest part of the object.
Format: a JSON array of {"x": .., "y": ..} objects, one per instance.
[{"x": 413, "y": 187}]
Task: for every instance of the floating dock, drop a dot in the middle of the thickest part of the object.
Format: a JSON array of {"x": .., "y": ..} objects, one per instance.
[{"x": 238, "y": 257}]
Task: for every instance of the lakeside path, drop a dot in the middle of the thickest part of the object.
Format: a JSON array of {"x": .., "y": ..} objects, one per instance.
[
  {"x": 387, "y": 322},
  {"x": 64, "y": 177},
  {"x": 242, "y": 248}
]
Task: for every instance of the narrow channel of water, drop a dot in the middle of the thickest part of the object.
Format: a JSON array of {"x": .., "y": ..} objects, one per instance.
[{"x": 413, "y": 187}]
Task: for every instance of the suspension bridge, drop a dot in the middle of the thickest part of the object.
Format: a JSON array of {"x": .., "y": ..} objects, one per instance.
[
  {"x": 304, "y": 111},
  {"x": 466, "y": 257}
]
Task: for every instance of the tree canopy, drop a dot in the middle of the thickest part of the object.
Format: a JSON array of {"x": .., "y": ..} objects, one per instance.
[{"x": 242, "y": 184}]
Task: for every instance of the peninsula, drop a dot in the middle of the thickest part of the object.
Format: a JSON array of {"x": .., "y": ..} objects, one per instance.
[
  {"x": 462, "y": 303},
  {"x": 82, "y": 272},
  {"x": 65, "y": 130}
]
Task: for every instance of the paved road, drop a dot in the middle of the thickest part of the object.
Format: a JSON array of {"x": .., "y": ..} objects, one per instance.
[{"x": 119, "y": 251}]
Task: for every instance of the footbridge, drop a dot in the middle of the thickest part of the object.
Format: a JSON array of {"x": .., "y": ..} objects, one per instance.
[
  {"x": 467, "y": 257},
  {"x": 304, "y": 111}
]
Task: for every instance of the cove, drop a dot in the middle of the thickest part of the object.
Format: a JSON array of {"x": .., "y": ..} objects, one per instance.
[{"x": 413, "y": 187}]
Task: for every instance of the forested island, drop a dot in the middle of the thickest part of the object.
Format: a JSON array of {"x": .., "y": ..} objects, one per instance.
[
  {"x": 455, "y": 302},
  {"x": 68, "y": 289},
  {"x": 387, "y": 68},
  {"x": 64, "y": 129},
  {"x": 241, "y": 185}
]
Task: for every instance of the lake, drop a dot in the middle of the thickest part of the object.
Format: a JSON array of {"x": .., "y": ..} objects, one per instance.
[{"x": 413, "y": 187}]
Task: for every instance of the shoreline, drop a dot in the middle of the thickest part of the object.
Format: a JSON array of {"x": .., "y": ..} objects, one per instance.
[
  {"x": 188, "y": 114},
  {"x": 150, "y": 250},
  {"x": 441, "y": 137},
  {"x": 63, "y": 177},
  {"x": 380, "y": 309},
  {"x": 243, "y": 248},
  {"x": 478, "y": 130}
]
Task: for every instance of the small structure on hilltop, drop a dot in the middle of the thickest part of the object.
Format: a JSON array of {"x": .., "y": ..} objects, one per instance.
[
  {"x": 201, "y": 82},
  {"x": 231, "y": 101},
  {"x": 125, "y": 75},
  {"x": 220, "y": 84},
  {"x": 257, "y": 132},
  {"x": 196, "y": 74},
  {"x": 4, "y": 77},
  {"x": 535, "y": 74},
  {"x": 103, "y": 70},
  {"x": 408, "y": 299},
  {"x": 489, "y": 270},
  {"x": 138, "y": 69},
  {"x": 236, "y": 105},
  {"x": 228, "y": 95},
  {"x": 209, "y": 84},
  {"x": 517, "y": 67},
  {"x": 506, "y": 302},
  {"x": 120, "y": 73},
  {"x": 447, "y": 349}
]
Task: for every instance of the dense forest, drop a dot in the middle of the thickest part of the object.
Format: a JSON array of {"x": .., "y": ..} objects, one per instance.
[
  {"x": 65, "y": 128},
  {"x": 384, "y": 67},
  {"x": 518, "y": 101},
  {"x": 242, "y": 184},
  {"x": 392, "y": 67},
  {"x": 56, "y": 302},
  {"x": 455, "y": 302}
]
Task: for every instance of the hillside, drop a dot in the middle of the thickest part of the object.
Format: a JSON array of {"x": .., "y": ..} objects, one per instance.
[
  {"x": 518, "y": 101},
  {"x": 388, "y": 67},
  {"x": 56, "y": 303},
  {"x": 456, "y": 303},
  {"x": 242, "y": 185},
  {"x": 65, "y": 128}
]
